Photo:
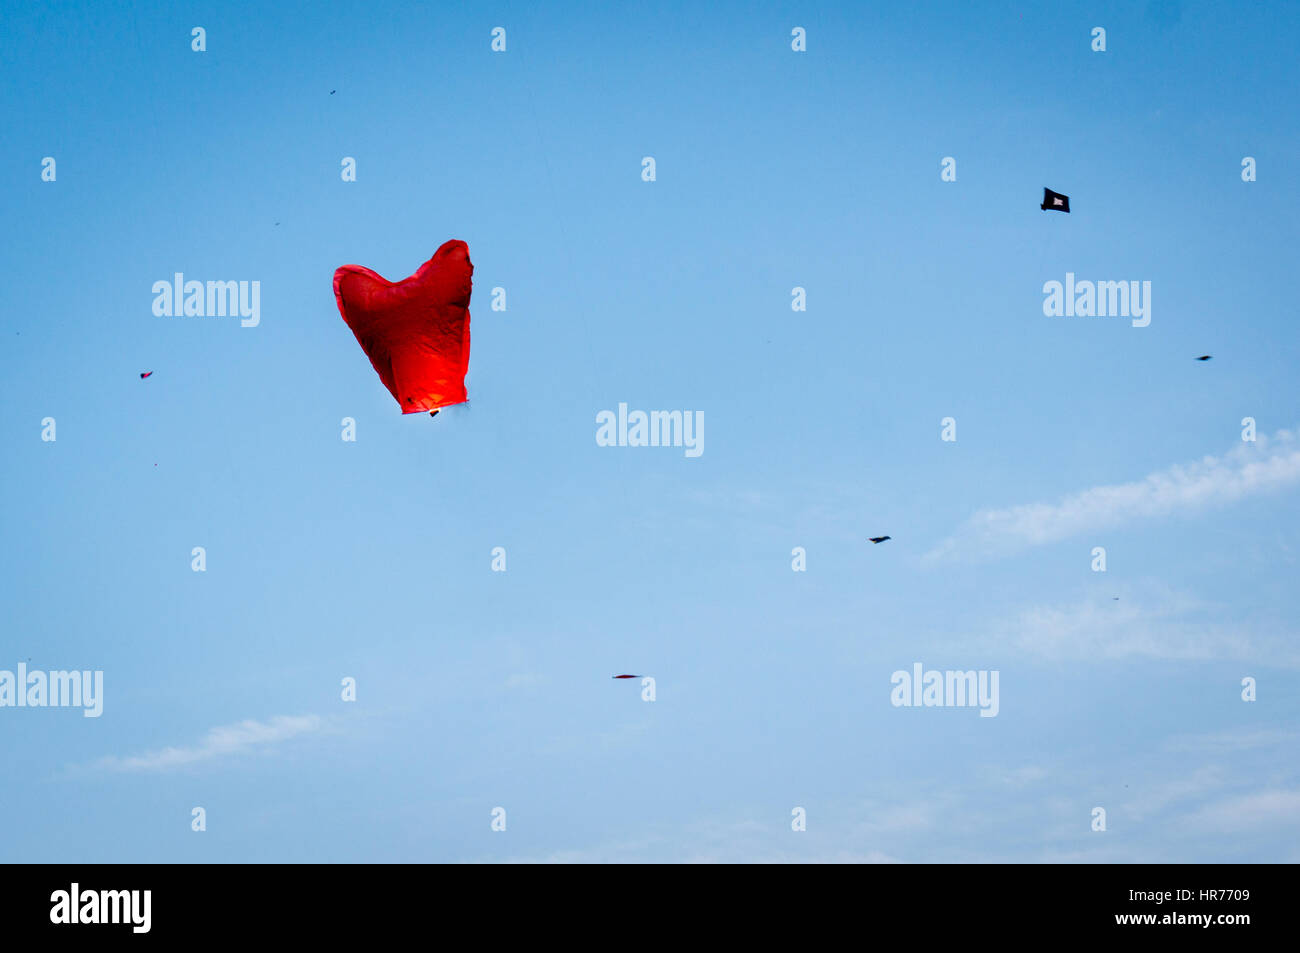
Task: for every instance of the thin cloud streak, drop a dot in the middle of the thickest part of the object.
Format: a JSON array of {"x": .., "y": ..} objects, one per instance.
[
  {"x": 1270, "y": 464},
  {"x": 218, "y": 742},
  {"x": 1275, "y": 810},
  {"x": 1165, "y": 624}
]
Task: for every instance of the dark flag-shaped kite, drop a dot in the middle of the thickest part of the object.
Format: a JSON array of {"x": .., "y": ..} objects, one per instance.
[
  {"x": 626, "y": 676},
  {"x": 415, "y": 331},
  {"x": 879, "y": 539},
  {"x": 1204, "y": 357},
  {"x": 1055, "y": 201},
  {"x": 145, "y": 374}
]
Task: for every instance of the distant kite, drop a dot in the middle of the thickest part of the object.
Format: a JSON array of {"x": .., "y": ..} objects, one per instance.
[
  {"x": 628, "y": 676},
  {"x": 1055, "y": 201},
  {"x": 146, "y": 374},
  {"x": 879, "y": 539},
  {"x": 1204, "y": 357},
  {"x": 415, "y": 331}
]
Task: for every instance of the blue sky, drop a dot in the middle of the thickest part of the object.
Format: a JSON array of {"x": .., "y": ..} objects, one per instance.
[{"x": 775, "y": 169}]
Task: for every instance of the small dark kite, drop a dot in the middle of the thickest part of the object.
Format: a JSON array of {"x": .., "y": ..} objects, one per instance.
[
  {"x": 626, "y": 676},
  {"x": 1055, "y": 201},
  {"x": 879, "y": 539},
  {"x": 146, "y": 374},
  {"x": 1204, "y": 357}
]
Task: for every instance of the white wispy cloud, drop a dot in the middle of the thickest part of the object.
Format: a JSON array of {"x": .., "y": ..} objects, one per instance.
[
  {"x": 1158, "y": 797},
  {"x": 218, "y": 742},
  {"x": 839, "y": 834},
  {"x": 1275, "y": 810},
  {"x": 1020, "y": 777},
  {"x": 897, "y": 818},
  {"x": 1173, "y": 812},
  {"x": 1239, "y": 739},
  {"x": 1159, "y": 623},
  {"x": 740, "y": 843},
  {"x": 1271, "y": 463},
  {"x": 525, "y": 680}
]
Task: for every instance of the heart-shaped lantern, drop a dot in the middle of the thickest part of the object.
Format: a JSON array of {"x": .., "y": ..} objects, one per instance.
[{"x": 415, "y": 331}]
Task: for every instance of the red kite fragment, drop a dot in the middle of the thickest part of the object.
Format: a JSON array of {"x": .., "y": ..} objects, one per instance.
[
  {"x": 627, "y": 676},
  {"x": 415, "y": 331},
  {"x": 146, "y": 374},
  {"x": 879, "y": 539}
]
